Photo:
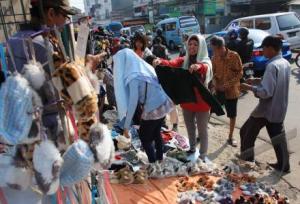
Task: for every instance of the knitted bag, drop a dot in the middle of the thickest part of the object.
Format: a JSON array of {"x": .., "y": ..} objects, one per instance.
[
  {"x": 16, "y": 110},
  {"x": 78, "y": 161}
]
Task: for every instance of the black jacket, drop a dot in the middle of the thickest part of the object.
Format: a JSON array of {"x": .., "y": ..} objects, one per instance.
[
  {"x": 245, "y": 49},
  {"x": 179, "y": 85}
]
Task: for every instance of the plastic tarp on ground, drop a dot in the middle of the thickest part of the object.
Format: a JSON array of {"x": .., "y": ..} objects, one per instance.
[{"x": 161, "y": 191}]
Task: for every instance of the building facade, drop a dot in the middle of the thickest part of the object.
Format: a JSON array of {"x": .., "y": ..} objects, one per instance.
[
  {"x": 100, "y": 10},
  {"x": 240, "y": 8},
  {"x": 121, "y": 10}
]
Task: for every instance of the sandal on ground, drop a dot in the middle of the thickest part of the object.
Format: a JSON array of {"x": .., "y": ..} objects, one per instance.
[
  {"x": 140, "y": 177},
  {"x": 232, "y": 142}
]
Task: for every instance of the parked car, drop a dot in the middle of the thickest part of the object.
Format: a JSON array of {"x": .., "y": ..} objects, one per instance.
[
  {"x": 115, "y": 27},
  {"x": 173, "y": 28},
  {"x": 286, "y": 25},
  {"x": 130, "y": 31},
  {"x": 258, "y": 58}
]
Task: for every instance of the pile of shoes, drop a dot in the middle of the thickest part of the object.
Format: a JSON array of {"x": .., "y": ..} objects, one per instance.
[
  {"x": 262, "y": 199},
  {"x": 241, "y": 178},
  {"x": 206, "y": 182},
  {"x": 186, "y": 184},
  {"x": 204, "y": 196},
  {"x": 127, "y": 176},
  {"x": 224, "y": 189}
]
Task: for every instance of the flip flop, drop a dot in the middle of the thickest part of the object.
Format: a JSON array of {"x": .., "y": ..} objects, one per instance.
[{"x": 232, "y": 142}]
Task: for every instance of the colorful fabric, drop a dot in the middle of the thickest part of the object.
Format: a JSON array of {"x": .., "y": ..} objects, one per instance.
[{"x": 3, "y": 61}]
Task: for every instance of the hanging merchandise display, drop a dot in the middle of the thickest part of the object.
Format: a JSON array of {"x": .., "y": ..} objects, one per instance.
[
  {"x": 101, "y": 145},
  {"x": 33, "y": 70},
  {"x": 15, "y": 104},
  {"x": 76, "y": 89},
  {"x": 78, "y": 161},
  {"x": 3, "y": 60},
  {"x": 47, "y": 163}
]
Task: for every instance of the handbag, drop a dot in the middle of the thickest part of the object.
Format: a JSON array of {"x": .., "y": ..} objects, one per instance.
[{"x": 140, "y": 109}]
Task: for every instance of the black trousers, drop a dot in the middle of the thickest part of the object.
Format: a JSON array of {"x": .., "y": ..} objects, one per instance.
[
  {"x": 149, "y": 133},
  {"x": 276, "y": 131}
]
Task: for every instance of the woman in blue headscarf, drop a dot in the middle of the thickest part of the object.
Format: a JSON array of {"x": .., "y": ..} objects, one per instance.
[{"x": 136, "y": 83}]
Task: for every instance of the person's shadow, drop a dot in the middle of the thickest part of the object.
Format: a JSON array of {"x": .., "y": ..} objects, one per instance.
[
  {"x": 296, "y": 74},
  {"x": 212, "y": 156}
]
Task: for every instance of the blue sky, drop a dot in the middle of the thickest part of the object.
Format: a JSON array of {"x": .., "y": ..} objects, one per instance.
[{"x": 78, "y": 4}]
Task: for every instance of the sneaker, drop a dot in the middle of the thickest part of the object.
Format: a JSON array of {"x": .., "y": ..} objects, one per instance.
[{"x": 191, "y": 151}]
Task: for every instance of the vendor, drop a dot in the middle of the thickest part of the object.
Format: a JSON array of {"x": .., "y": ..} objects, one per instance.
[
  {"x": 56, "y": 13},
  {"x": 196, "y": 61},
  {"x": 136, "y": 83}
]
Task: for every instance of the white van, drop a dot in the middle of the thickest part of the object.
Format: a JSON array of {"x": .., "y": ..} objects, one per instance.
[
  {"x": 287, "y": 25},
  {"x": 130, "y": 31}
]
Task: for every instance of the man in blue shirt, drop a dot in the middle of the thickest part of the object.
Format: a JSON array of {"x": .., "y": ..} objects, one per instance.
[{"x": 273, "y": 93}]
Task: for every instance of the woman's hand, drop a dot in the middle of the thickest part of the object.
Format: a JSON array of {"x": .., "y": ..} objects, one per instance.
[
  {"x": 126, "y": 133},
  {"x": 156, "y": 62},
  {"x": 200, "y": 68},
  {"x": 194, "y": 68}
]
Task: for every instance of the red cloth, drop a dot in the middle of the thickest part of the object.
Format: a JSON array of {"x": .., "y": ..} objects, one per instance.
[{"x": 201, "y": 105}]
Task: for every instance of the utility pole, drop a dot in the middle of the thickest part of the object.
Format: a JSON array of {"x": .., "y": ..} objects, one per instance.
[
  {"x": 150, "y": 12},
  {"x": 201, "y": 15}
]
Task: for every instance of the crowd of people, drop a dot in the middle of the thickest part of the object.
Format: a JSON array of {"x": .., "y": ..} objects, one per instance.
[
  {"x": 132, "y": 85},
  {"x": 222, "y": 75}
]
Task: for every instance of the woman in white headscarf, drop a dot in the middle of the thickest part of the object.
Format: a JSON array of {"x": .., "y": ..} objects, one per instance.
[
  {"x": 197, "y": 61},
  {"x": 135, "y": 82}
]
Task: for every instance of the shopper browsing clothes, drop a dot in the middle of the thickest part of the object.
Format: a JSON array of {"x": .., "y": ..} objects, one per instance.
[
  {"x": 228, "y": 70},
  {"x": 136, "y": 86},
  {"x": 197, "y": 61},
  {"x": 273, "y": 93},
  {"x": 161, "y": 51}
]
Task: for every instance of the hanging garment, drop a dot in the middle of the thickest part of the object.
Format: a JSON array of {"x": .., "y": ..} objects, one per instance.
[
  {"x": 179, "y": 85},
  {"x": 15, "y": 104}
]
